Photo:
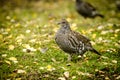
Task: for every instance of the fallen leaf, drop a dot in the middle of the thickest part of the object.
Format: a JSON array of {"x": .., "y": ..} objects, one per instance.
[
  {"x": 42, "y": 68},
  {"x": 43, "y": 50},
  {"x": 21, "y": 71},
  {"x": 50, "y": 68},
  {"x": 118, "y": 77},
  {"x": 32, "y": 40},
  {"x": 94, "y": 36},
  {"x": 61, "y": 78},
  {"x": 100, "y": 27},
  {"x": 1, "y": 36},
  {"x": 35, "y": 63},
  {"x": 74, "y": 26},
  {"x": 4, "y": 55},
  {"x": 83, "y": 32},
  {"x": 92, "y": 42},
  {"x": 104, "y": 32},
  {"x": 64, "y": 68},
  {"x": 12, "y": 59},
  {"x": 19, "y": 40},
  {"x": 66, "y": 74},
  {"x": 18, "y": 79},
  {"x": 83, "y": 73},
  {"x": 73, "y": 77},
  {"x": 114, "y": 61},
  {"x": 107, "y": 78},
  {"x": 104, "y": 63},
  {"x": 8, "y": 29},
  {"x": 8, "y": 62},
  {"x": 53, "y": 59},
  {"x": 11, "y": 47},
  {"x": 17, "y": 25},
  {"x": 28, "y": 31},
  {"x": 104, "y": 57},
  {"x": 26, "y": 45},
  {"x": 15, "y": 61},
  {"x": 8, "y": 17}
]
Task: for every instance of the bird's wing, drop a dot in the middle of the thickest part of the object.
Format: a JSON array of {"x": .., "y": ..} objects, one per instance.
[
  {"x": 89, "y": 6},
  {"x": 81, "y": 37}
]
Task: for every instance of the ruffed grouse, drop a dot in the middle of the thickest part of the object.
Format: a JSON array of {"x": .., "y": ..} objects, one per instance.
[
  {"x": 117, "y": 4},
  {"x": 72, "y": 42},
  {"x": 86, "y": 9}
]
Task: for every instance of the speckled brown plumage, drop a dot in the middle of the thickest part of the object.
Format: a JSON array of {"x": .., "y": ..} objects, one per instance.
[{"x": 72, "y": 42}]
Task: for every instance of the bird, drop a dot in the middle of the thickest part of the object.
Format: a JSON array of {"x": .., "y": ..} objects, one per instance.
[
  {"x": 117, "y": 2},
  {"x": 87, "y": 10},
  {"x": 72, "y": 42}
]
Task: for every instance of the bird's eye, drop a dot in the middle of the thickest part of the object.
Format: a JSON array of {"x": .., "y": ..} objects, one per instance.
[{"x": 63, "y": 22}]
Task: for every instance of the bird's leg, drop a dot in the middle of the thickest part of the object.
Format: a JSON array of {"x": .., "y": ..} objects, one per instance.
[
  {"x": 82, "y": 57},
  {"x": 69, "y": 57}
]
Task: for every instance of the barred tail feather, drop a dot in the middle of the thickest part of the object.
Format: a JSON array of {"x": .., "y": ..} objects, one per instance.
[
  {"x": 95, "y": 51},
  {"x": 100, "y": 15}
]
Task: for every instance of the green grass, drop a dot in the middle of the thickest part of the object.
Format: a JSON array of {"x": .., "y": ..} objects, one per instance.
[{"x": 26, "y": 32}]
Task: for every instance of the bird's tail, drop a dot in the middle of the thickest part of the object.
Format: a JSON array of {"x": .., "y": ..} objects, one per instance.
[
  {"x": 95, "y": 51},
  {"x": 100, "y": 15}
]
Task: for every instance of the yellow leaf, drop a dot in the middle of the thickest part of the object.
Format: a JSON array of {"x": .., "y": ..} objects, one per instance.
[
  {"x": 8, "y": 29},
  {"x": 53, "y": 59},
  {"x": 118, "y": 77},
  {"x": 104, "y": 32},
  {"x": 26, "y": 45},
  {"x": 115, "y": 35},
  {"x": 74, "y": 26},
  {"x": 8, "y": 17},
  {"x": 35, "y": 63},
  {"x": 50, "y": 68},
  {"x": 104, "y": 57},
  {"x": 18, "y": 79},
  {"x": 21, "y": 71},
  {"x": 83, "y": 32},
  {"x": 19, "y": 40},
  {"x": 11, "y": 47},
  {"x": 92, "y": 42},
  {"x": 42, "y": 68},
  {"x": 8, "y": 62},
  {"x": 94, "y": 36},
  {"x": 28, "y": 31},
  {"x": 21, "y": 66},
  {"x": 55, "y": 29},
  {"x": 100, "y": 27},
  {"x": 10, "y": 36},
  {"x": 61, "y": 78},
  {"x": 12, "y": 59},
  {"x": 13, "y": 75},
  {"x": 73, "y": 77},
  {"x": 15, "y": 61},
  {"x": 69, "y": 19},
  {"x": 107, "y": 78},
  {"x": 17, "y": 25},
  {"x": 114, "y": 61}
]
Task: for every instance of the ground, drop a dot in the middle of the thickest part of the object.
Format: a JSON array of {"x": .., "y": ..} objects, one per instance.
[{"x": 28, "y": 50}]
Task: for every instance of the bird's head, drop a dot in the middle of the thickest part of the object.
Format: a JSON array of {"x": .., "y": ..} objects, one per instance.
[{"x": 64, "y": 24}]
